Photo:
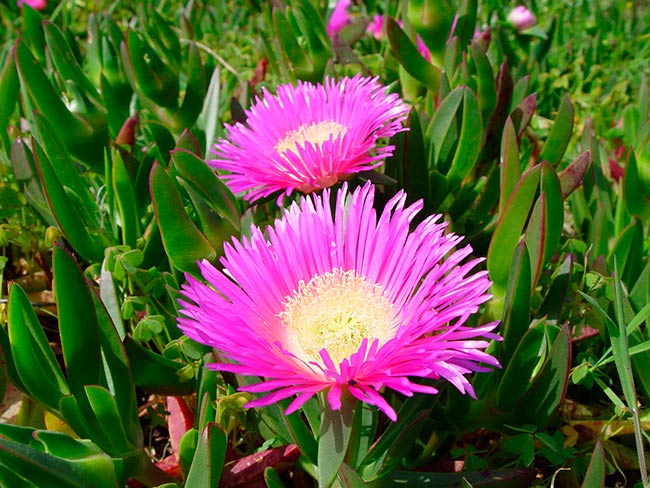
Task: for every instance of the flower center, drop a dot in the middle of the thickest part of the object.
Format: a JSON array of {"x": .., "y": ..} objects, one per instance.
[
  {"x": 315, "y": 133},
  {"x": 336, "y": 311}
]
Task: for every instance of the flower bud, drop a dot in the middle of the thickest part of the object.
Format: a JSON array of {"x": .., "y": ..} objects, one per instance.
[{"x": 521, "y": 18}]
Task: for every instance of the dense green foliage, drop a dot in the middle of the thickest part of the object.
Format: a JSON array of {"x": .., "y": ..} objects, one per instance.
[{"x": 533, "y": 144}]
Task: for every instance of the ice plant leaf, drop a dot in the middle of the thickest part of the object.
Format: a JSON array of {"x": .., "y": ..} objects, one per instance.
[
  {"x": 336, "y": 427},
  {"x": 209, "y": 457},
  {"x": 320, "y": 134},
  {"x": 595, "y": 474},
  {"x": 343, "y": 302},
  {"x": 560, "y": 135},
  {"x": 409, "y": 57},
  {"x": 33, "y": 357},
  {"x": 183, "y": 241},
  {"x": 510, "y": 226}
]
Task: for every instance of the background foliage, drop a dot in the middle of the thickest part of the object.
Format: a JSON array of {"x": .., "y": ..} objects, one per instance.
[{"x": 534, "y": 144}]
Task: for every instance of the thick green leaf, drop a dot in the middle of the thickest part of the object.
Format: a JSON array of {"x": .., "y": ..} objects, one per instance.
[
  {"x": 628, "y": 252},
  {"x": 155, "y": 373},
  {"x": 542, "y": 401},
  {"x": 634, "y": 194},
  {"x": 349, "y": 478},
  {"x": 125, "y": 199},
  {"x": 408, "y": 163},
  {"x": 194, "y": 90},
  {"x": 117, "y": 372},
  {"x": 516, "y": 310},
  {"x": 469, "y": 142},
  {"x": 300, "y": 64},
  {"x": 595, "y": 474},
  {"x": 486, "y": 87},
  {"x": 33, "y": 357},
  {"x": 517, "y": 375},
  {"x": 106, "y": 411},
  {"x": 409, "y": 57},
  {"x": 333, "y": 439},
  {"x": 148, "y": 73},
  {"x": 510, "y": 226},
  {"x": 209, "y": 457},
  {"x": 65, "y": 63},
  {"x": 442, "y": 129},
  {"x": 571, "y": 177},
  {"x": 184, "y": 243},
  {"x": 510, "y": 165},
  {"x": 203, "y": 179},
  {"x": 77, "y": 323},
  {"x": 89, "y": 246},
  {"x": 45, "y": 470},
  {"x": 560, "y": 134},
  {"x": 272, "y": 479},
  {"x": 523, "y": 114},
  {"x": 9, "y": 91}
]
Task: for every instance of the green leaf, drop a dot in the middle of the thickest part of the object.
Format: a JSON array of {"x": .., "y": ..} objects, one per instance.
[
  {"x": 333, "y": 439},
  {"x": 148, "y": 74},
  {"x": 203, "y": 179},
  {"x": 77, "y": 323},
  {"x": 272, "y": 479},
  {"x": 194, "y": 89},
  {"x": 510, "y": 165},
  {"x": 523, "y": 114},
  {"x": 300, "y": 64},
  {"x": 510, "y": 226},
  {"x": 184, "y": 243},
  {"x": 108, "y": 417},
  {"x": 517, "y": 375},
  {"x": 469, "y": 142},
  {"x": 209, "y": 457},
  {"x": 125, "y": 199},
  {"x": 409, "y": 57},
  {"x": 9, "y": 91},
  {"x": 44, "y": 469},
  {"x": 408, "y": 163},
  {"x": 33, "y": 357},
  {"x": 89, "y": 246},
  {"x": 65, "y": 63},
  {"x": 117, "y": 372},
  {"x": 636, "y": 201},
  {"x": 595, "y": 474},
  {"x": 349, "y": 478},
  {"x": 486, "y": 87},
  {"x": 516, "y": 314},
  {"x": 155, "y": 373},
  {"x": 560, "y": 135},
  {"x": 442, "y": 129},
  {"x": 571, "y": 177}
]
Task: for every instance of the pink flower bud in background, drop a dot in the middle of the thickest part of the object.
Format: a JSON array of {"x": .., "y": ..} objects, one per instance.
[
  {"x": 340, "y": 17},
  {"x": 35, "y": 4},
  {"x": 521, "y": 18}
]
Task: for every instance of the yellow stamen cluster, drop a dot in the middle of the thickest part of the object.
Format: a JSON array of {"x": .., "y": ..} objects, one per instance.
[
  {"x": 316, "y": 133},
  {"x": 336, "y": 311}
]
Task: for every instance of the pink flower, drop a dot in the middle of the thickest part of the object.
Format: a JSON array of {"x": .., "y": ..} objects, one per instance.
[
  {"x": 343, "y": 299},
  {"x": 309, "y": 136},
  {"x": 376, "y": 29},
  {"x": 521, "y": 18},
  {"x": 340, "y": 17},
  {"x": 35, "y": 4}
]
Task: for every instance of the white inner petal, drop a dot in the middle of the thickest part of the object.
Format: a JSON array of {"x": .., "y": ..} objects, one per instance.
[
  {"x": 336, "y": 311},
  {"x": 316, "y": 133}
]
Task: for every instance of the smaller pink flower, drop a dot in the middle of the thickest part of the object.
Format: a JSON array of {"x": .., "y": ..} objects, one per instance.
[
  {"x": 340, "y": 17},
  {"x": 521, "y": 18},
  {"x": 35, "y": 4}
]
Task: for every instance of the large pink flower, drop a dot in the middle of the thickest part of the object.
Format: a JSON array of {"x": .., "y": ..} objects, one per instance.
[
  {"x": 342, "y": 299},
  {"x": 309, "y": 136}
]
